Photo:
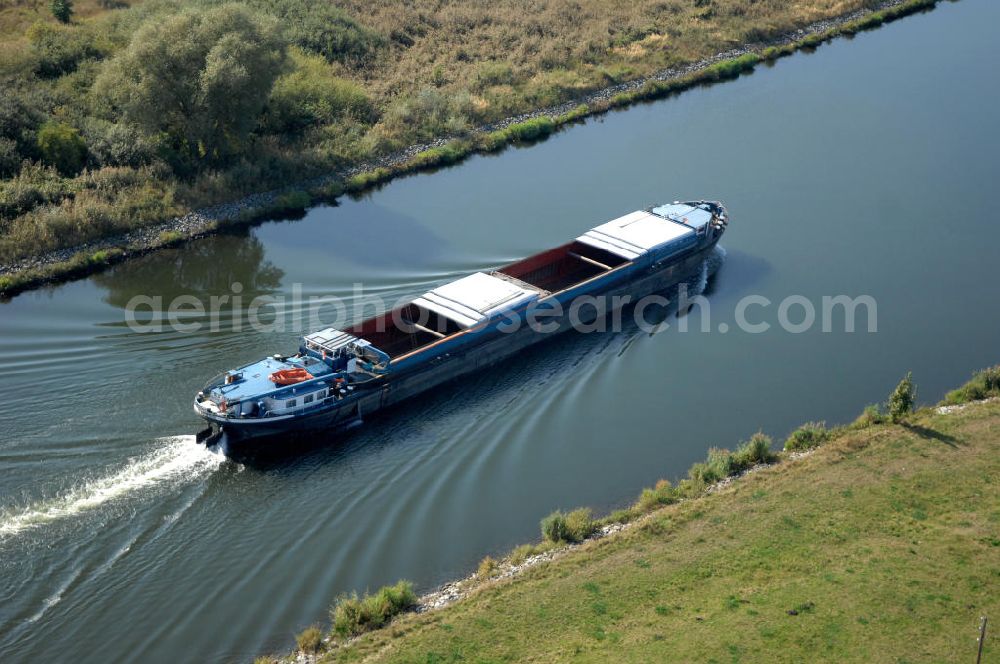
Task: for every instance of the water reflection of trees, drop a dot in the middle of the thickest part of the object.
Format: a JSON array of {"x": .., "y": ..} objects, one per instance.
[{"x": 202, "y": 268}]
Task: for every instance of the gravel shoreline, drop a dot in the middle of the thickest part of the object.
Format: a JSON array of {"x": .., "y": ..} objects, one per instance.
[{"x": 207, "y": 220}]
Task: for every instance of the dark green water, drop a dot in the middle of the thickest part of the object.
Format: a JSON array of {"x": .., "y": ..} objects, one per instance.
[{"x": 868, "y": 167}]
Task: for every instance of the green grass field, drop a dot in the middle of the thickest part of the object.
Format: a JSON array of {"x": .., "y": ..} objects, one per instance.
[{"x": 881, "y": 546}]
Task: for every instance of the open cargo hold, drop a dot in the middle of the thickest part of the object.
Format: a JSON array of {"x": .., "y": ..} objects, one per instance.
[
  {"x": 562, "y": 267},
  {"x": 399, "y": 331},
  {"x": 443, "y": 311},
  {"x": 471, "y": 300}
]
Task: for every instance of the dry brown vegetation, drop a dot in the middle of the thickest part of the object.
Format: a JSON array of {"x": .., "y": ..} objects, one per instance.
[
  {"x": 473, "y": 42},
  {"x": 501, "y": 57}
]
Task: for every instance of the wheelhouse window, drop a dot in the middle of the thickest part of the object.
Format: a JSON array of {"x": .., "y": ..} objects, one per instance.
[
  {"x": 308, "y": 399},
  {"x": 290, "y": 403}
]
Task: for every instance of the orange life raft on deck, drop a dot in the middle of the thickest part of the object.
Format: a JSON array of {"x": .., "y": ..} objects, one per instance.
[{"x": 289, "y": 376}]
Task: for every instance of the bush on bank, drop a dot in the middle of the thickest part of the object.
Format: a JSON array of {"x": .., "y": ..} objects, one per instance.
[
  {"x": 291, "y": 202},
  {"x": 533, "y": 129},
  {"x": 310, "y": 640},
  {"x": 731, "y": 68},
  {"x": 721, "y": 464},
  {"x": 574, "y": 527},
  {"x": 903, "y": 399},
  {"x": 662, "y": 493},
  {"x": 169, "y": 238},
  {"x": 869, "y": 417},
  {"x": 487, "y": 567},
  {"x": 575, "y": 115},
  {"x": 353, "y": 615},
  {"x": 984, "y": 384},
  {"x": 525, "y": 551},
  {"x": 806, "y": 437},
  {"x": 367, "y": 179},
  {"x": 444, "y": 155}
]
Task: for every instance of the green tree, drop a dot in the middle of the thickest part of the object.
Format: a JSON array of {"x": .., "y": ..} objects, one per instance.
[
  {"x": 62, "y": 146},
  {"x": 200, "y": 78},
  {"x": 903, "y": 399},
  {"x": 62, "y": 10}
]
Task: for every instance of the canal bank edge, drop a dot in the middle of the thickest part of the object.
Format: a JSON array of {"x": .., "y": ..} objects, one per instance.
[
  {"x": 74, "y": 262},
  {"x": 871, "y": 454}
]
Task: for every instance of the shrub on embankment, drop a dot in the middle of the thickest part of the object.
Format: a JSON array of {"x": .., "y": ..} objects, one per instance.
[
  {"x": 291, "y": 202},
  {"x": 869, "y": 417},
  {"x": 534, "y": 129},
  {"x": 806, "y": 437},
  {"x": 985, "y": 384},
  {"x": 310, "y": 640},
  {"x": 444, "y": 155},
  {"x": 353, "y": 615},
  {"x": 903, "y": 399},
  {"x": 662, "y": 493},
  {"x": 723, "y": 463},
  {"x": 574, "y": 527},
  {"x": 730, "y": 68},
  {"x": 487, "y": 568}
]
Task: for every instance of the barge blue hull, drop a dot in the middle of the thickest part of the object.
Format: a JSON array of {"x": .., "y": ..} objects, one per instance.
[{"x": 454, "y": 359}]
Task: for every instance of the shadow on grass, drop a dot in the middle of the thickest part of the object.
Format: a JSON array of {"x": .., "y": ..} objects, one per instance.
[{"x": 931, "y": 434}]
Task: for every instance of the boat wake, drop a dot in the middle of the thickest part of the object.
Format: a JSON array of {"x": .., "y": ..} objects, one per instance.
[
  {"x": 175, "y": 458},
  {"x": 55, "y": 597}
]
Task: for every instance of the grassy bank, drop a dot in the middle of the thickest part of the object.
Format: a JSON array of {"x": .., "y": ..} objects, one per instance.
[
  {"x": 82, "y": 158},
  {"x": 880, "y": 544}
]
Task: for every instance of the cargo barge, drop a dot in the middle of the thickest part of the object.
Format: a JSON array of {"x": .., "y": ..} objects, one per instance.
[{"x": 339, "y": 377}]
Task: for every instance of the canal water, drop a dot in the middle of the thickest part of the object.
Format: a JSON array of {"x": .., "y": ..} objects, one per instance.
[{"x": 867, "y": 168}]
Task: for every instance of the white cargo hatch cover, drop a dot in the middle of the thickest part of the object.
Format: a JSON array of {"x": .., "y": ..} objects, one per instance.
[
  {"x": 474, "y": 298},
  {"x": 634, "y": 234}
]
